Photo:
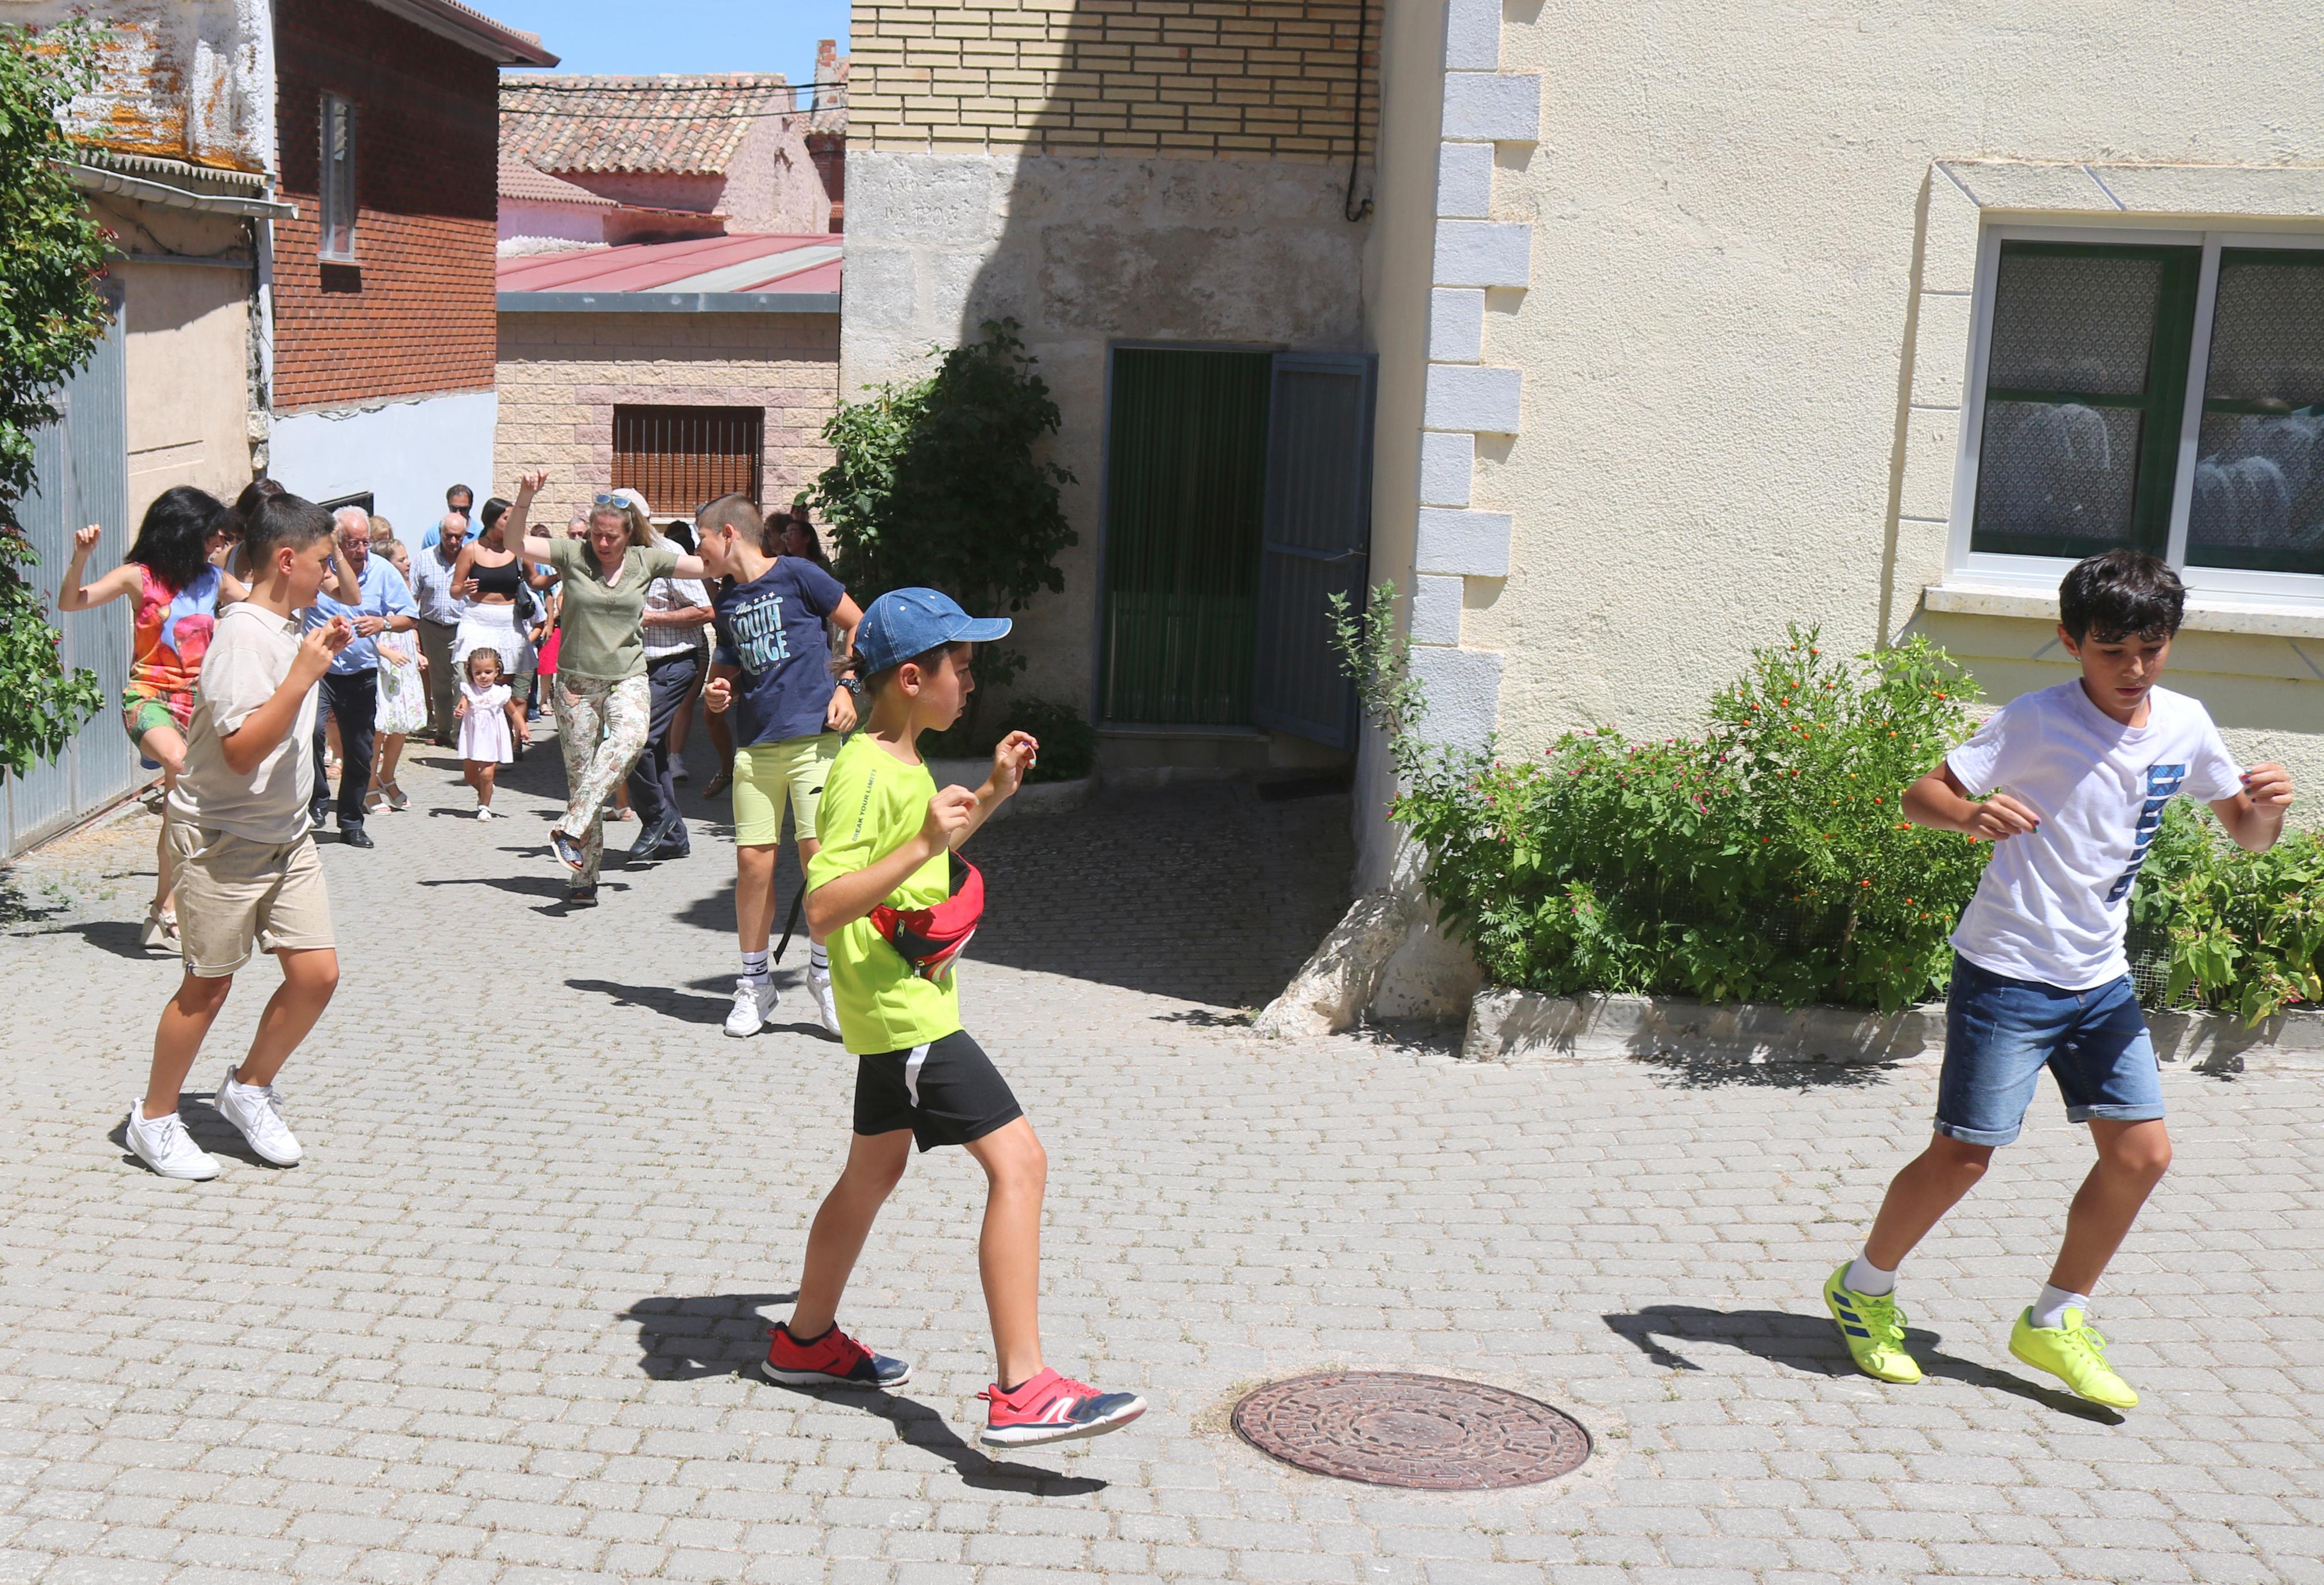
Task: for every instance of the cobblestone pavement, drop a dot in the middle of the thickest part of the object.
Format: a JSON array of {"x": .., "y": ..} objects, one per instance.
[{"x": 500, "y": 1326}]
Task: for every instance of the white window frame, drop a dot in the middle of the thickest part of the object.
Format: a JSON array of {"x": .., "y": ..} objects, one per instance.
[
  {"x": 334, "y": 196},
  {"x": 2301, "y": 593}
]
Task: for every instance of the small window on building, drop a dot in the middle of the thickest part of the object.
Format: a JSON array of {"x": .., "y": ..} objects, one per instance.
[
  {"x": 682, "y": 458},
  {"x": 2163, "y": 394},
  {"x": 339, "y": 178}
]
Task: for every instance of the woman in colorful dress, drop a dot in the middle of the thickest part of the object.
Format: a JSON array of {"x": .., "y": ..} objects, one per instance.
[{"x": 177, "y": 588}]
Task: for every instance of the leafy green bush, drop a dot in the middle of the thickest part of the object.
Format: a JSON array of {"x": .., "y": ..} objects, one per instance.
[
  {"x": 935, "y": 482},
  {"x": 2240, "y": 932},
  {"x": 1767, "y": 860},
  {"x": 52, "y": 315},
  {"x": 1068, "y": 743}
]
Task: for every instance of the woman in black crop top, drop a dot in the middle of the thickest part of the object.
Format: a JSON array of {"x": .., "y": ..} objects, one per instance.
[{"x": 488, "y": 581}]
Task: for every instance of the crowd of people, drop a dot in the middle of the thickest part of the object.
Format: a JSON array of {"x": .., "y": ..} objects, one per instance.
[{"x": 252, "y": 621}]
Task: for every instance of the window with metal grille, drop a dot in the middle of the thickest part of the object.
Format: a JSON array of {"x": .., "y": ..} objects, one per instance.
[
  {"x": 682, "y": 458},
  {"x": 2165, "y": 394},
  {"x": 339, "y": 179}
]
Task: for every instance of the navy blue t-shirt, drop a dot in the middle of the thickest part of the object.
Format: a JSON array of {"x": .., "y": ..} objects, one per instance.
[{"x": 772, "y": 629}]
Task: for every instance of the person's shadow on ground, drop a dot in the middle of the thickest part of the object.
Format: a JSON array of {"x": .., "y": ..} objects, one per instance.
[
  {"x": 724, "y": 1335},
  {"x": 1810, "y": 1344},
  {"x": 689, "y": 1006},
  {"x": 124, "y": 938}
]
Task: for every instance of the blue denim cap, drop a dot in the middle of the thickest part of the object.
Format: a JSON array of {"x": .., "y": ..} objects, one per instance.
[{"x": 905, "y": 622}]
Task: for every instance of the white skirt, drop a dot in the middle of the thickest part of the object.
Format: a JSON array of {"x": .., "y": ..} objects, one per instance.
[{"x": 488, "y": 627}]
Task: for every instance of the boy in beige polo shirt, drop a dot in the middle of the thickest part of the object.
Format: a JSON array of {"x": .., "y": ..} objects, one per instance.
[{"x": 240, "y": 834}]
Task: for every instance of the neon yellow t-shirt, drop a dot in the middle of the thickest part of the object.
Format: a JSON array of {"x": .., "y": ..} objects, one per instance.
[{"x": 874, "y": 804}]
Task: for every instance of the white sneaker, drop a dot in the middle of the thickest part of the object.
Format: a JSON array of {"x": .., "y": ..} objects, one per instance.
[
  {"x": 819, "y": 979},
  {"x": 484, "y": 811},
  {"x": 257, "y": 1110},
  {"x": 754, "y": 999},
  {"x": 162, "y": 1144}
]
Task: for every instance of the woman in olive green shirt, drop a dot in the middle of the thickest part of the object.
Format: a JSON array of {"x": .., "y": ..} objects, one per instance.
[{"x": 601, "y": 697}]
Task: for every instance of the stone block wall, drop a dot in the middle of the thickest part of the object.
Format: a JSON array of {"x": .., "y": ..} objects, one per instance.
[
  {"x": 562, "y": 375},
  {"x": 1291, "y": 79}
]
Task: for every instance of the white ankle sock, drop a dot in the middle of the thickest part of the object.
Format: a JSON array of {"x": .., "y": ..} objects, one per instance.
[
  {"x": 817, "y": 958},
  {"x": 754, "y": 964},
  {"x": 1866, "y": 1278},
  {"x": 2050, "y": 1309}
]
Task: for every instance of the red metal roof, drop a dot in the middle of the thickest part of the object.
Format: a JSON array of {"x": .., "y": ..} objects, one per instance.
[{"x": 708, "y": 263}]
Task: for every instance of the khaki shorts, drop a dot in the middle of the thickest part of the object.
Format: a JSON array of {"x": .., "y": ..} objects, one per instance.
[
  {"x": 230, "y": 888},
  {"x": 767, "y": 776}
]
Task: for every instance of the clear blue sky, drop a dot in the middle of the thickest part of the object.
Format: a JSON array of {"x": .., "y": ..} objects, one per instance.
[{"x": 679, "y": 35}]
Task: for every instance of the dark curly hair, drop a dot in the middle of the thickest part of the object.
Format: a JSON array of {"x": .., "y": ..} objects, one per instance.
[
  {"x": 2109, "y": 597},
  {"x": 173, "y": 541}
]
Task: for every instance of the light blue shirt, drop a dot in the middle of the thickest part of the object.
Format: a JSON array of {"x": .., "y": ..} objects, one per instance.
[{"x": 383, "y": 594}]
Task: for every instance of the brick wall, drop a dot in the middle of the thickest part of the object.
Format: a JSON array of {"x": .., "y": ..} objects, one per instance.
[
  {"x": 1185, "y": 78},
  {"x": 562, "y": 375},
  {"x": 414, "y": 313}
]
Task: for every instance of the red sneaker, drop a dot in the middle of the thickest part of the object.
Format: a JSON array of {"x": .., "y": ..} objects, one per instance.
[
  {"x": 834, "y": 1359},
  {"x": 1054, "y": 1408}
]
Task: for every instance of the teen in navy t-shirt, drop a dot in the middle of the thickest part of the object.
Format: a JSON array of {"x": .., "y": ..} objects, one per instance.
[{"x": 771, "y": 667}]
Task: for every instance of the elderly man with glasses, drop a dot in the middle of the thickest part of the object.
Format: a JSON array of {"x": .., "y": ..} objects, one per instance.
[{"x": 351, "y": 686}]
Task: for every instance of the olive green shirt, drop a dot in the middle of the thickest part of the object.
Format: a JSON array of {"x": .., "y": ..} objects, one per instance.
[{"x": 603, "y": 625}]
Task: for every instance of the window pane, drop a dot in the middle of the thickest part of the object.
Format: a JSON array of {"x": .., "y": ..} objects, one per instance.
[
  {"x": 2056, "y": 479},
  {"x": 2073, "y": 323},
  {"x": 2259, "y": 470}
]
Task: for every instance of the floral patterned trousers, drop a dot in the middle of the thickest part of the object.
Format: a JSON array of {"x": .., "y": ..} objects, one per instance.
[{"x": 601, "y": 728}]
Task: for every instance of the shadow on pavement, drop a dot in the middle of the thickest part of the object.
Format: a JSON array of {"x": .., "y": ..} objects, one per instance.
[
  {"x": 124, "y": 938},
  {"x": 724, "y": 1335},
  {"x": 1681, "y": 1071},
  {"x": 668, "y": 1000},
  {"x": 1201, "y": 891},
  {"x": 1809, "y": 1343}
]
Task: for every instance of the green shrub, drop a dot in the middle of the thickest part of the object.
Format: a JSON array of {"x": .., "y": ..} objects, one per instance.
[
  {"x": 2240, "y": 932},
  {"x": 1068, "y": 743},
  {"x": 1769, "y": 858},
  {"x": 1765, "y": 860}
]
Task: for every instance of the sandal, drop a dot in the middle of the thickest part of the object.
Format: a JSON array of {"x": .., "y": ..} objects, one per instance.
[
  {"x": 581, "y": 897},
  {"x": 717, "y": 784},
  {"x": 568, "y": 849},
  {"x": 395, "y": 797},
  {"x": 160, "y": 931},
  {"x": 373, "y": 801}
]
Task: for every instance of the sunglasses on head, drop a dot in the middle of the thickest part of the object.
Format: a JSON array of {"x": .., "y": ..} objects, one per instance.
[{"x": 611, "y": 501}]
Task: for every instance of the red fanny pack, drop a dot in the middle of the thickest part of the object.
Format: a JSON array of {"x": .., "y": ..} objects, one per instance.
[{"x": 929, "y": 939}]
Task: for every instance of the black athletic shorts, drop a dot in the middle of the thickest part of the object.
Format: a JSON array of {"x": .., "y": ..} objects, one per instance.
[{"x": 948, "y": 1092}]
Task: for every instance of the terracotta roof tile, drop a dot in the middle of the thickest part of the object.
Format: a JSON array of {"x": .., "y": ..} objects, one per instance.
[
  {"x": 521, "y": 181},
  {"x": 687, "y": 123}
]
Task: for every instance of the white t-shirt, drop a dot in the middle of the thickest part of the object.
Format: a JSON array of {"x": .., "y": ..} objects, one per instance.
[
  {"x": 249, "y": 654},
  {"x": 2054, "y": 902}
]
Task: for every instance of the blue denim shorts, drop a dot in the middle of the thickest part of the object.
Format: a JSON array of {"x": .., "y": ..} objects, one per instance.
[{"x": 2000, "y": 1034}]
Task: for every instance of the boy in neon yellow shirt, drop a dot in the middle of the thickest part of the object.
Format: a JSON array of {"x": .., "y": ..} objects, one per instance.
[{"x": 888, "y": 840}]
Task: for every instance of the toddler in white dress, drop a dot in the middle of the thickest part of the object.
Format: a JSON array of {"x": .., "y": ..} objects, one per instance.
[{"x": 491, "y": 726}]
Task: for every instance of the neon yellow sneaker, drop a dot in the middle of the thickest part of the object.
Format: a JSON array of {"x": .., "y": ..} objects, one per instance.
[
  {"x": 1872, "y": 1328},
  {"x": 2075, "y": 1354}
]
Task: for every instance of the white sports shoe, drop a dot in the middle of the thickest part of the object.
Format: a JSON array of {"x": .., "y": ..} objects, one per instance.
[
  {"x": 257, "y": 1110},
  {"x": 754, "y": 999},
  {"x": 484, "y": 811},
  {"x": 819, "y": 979},
  {"x": 162, "y": 1144}
]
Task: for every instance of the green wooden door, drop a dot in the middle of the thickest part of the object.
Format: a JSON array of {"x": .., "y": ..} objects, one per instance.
[{"x": 1185, "y": 502}]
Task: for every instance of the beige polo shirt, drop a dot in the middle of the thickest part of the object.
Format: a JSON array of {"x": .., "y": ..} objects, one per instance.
[{"x": 249, "y": 656}]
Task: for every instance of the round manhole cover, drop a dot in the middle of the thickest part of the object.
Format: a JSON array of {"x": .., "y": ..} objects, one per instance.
[{"x": 1426, "y": 1432}]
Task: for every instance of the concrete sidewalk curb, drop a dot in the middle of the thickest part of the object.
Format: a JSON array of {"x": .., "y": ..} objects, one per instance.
[{"x": 1528, "y": 1025}]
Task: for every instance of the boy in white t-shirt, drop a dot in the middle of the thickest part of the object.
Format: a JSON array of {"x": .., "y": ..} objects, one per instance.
[
  {"x": 2078, "y": 776},
  {"x": 239, "y": 829}
]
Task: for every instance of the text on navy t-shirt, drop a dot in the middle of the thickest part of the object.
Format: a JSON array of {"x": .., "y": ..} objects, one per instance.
[{"x": 771, "y": 631}]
